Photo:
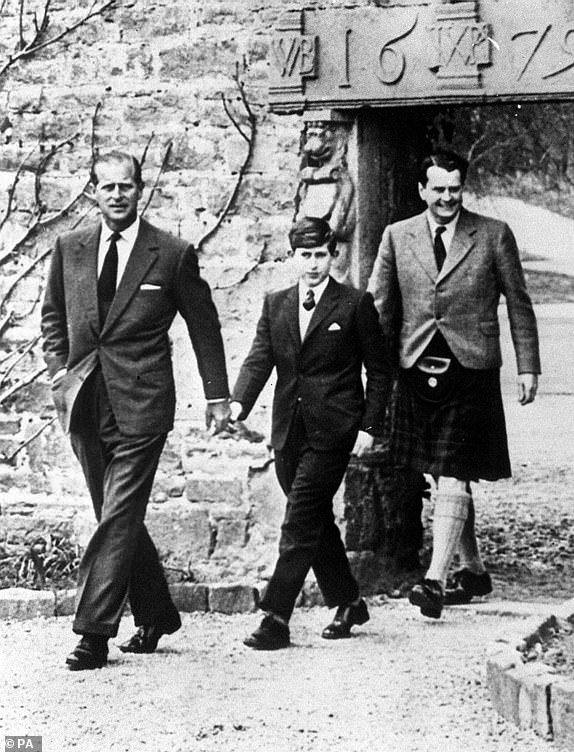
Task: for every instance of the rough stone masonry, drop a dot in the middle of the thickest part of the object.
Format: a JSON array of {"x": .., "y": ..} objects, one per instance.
[{"x": 148, "y": 77}]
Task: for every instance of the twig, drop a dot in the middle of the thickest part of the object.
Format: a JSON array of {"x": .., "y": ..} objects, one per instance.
[
  {"x": 12, "y": 191},
  {"x": 24, "y": 444},
  {"x": 146, "y": 148},
  {"x": 161, "y": 170},
  {"x": 35, "y": 45},
  {"x": 245, "y": 275},
  {"x": 41, "y": 168},
  {"x": 21, "y": 384},
  {"x": 21, "y": 276},
  {"x": 22, "y": 354},
  {"x": 244, "y": 166},
  {"x": 5, "y": 322}
]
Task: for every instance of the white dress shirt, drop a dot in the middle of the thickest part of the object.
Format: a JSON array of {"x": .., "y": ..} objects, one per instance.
[
  {"x": 304, "y": 314},
  {"x": 448, "y": 233},
  {"x": 125, "y": 246}
]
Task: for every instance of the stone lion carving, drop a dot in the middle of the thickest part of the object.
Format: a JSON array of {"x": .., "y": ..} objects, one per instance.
[{"x": 325, "y": 187}]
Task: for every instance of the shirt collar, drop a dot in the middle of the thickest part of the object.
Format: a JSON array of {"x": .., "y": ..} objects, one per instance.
[
  {"x": 318, "y": 290},
  {"x": 129, "y": 234},
  {"x": 450, "y": 227}
]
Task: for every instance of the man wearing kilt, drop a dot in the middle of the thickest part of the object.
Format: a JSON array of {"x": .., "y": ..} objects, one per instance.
[{"x": 437, "y": 282}]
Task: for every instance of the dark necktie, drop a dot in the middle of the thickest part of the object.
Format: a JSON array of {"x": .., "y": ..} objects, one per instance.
[
  {"x": 439, "y": 249},
  {"x": 107, "y": 280},
  {"x": 309, "y": 302}
]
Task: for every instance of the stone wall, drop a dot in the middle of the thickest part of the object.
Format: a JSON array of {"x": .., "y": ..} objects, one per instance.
[{"x": 143, "y": 77}]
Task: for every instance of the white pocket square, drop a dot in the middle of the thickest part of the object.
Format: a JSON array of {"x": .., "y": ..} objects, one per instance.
[
  {"x": 150, "y": 287},
  {"x": 334, "y": 327}
]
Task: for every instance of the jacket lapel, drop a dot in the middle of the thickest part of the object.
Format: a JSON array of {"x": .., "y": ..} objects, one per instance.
[
  {"x": 86, "y": 275},
  {"x": 291, "y": 312},
  {"x": 324, "y": 307},
  {"x": 142, "y": 257},
  {"x": 420, "y": 244},
  {"x": 462, "y": 244}
]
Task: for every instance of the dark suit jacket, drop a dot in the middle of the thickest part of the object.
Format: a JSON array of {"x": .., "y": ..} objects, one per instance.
[
  {"x": 462, "y": 300},
  {"x": 322, "y": 374},
  {"x": 133, "y": 348}
]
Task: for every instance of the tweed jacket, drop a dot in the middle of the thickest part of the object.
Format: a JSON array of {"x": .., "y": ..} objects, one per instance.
[
  {"x": 322, "y": 374},
  {"x": 462, "y": 300},
  {"x": 133, "y": 347}
]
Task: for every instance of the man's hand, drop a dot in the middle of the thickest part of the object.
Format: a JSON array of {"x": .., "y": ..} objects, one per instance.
[
  {"x": 527, "y": 386},
  {"x": 236, "y": 410},
  {"x": 217, "y": 413},
  {"x": 363, "y": 443}
]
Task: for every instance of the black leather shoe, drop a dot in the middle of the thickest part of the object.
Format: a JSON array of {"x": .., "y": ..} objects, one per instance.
[
  {"x": 464, "y": 585},
  {"x": 270, "y": 635},
  {"x": 146, "y": 638},
  {"x": 428, "y": 595},
  {"x": 344, "y": 619},
  {"x": 91, "y": 652}
]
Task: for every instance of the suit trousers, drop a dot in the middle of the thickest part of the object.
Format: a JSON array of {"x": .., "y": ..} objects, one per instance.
[
  {"x": 120, "y": 560},
  {"x": 310, "y": 539}
]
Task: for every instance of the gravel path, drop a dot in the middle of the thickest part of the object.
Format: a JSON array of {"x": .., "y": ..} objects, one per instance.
[{"x": 402, "y": 684}]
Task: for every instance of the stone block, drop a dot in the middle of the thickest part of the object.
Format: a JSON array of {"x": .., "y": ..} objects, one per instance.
[
  {"x": 534, "y": 698},
  {"x": 189, "y": 596},
  {"x": 26, "y": 99},
  {"x": 232, "y": 599},
  {"x": 180, "y": 531},
  {"x": 9, "y": 425},
  {"x": 17, "y": 604},
  {"x": 65, "y": 602},
  {"x": 8, "y": 446},
  {"x": 562, "y": 713},
  {"x": 231, "y": 533},
  {"x": 210, "y": 489},
  {"x": 501, "y": 659}
]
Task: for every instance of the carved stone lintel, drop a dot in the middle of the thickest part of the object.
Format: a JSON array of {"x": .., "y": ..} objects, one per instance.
[
  {"x": 462, "y": 45},
  {"x": 294, "y": 55}
]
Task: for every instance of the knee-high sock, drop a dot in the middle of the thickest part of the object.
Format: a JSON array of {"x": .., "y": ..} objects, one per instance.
[
  {"x": 450, "y": 513},
  {"x": 468, "y": 546}
]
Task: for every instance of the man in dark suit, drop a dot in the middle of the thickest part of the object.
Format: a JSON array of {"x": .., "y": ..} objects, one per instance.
[
  {"x": 437, "y": 281},
  {"x": 317, "y": 335},
  {"x": 112, "y": 293}
]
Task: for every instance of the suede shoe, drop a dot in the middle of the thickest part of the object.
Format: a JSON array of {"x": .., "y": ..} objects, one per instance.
[
  {"x": 464, "y": 585},
  {"x": 146, "y": 638},
  {"x": 428, "y": 595},
  {"x": 344, "y": 619},
  {"x": 91, "y": 652},
  {"x": 270, "y": 635}
]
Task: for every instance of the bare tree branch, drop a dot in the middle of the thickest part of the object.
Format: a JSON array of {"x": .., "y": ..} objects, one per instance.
[
  {"x": 245, "y": 276},
  {"x": 20, "y": 356},
  {"x": 11, "y": 457},
  {"x": 5, "y": 322},
  {"x": 165, "y": 160},
  {"x": 12, "y": 191},
  {"x": 27, "y": 49},
  {"x": 19, "y": 277},
  {"x": 21, "y": 384},
  {"x": 246, "y": 162},
  {"x": 146, "y": 148},
  {"x": 40, "y": 170}
]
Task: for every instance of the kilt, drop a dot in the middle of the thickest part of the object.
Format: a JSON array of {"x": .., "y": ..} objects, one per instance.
[{"x": 463, "y": 436}]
